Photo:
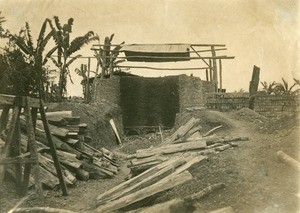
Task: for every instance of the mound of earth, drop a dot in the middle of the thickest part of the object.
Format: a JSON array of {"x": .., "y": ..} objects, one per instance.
[
  {"x": 96, "y": 116},
  {"x": 246, "y": 114},
  {"x": 208, "y": 120}
]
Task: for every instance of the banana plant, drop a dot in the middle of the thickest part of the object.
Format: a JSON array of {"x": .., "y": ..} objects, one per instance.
[
  {"x": 34, "y": 55},
  {"x": 283, "y": 88},
  {"x": 268, "y": 87},
  {"x": 107, "y": 57},
  {"x": 66, "y": 48}
]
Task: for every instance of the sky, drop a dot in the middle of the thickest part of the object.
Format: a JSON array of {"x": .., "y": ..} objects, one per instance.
[{"x": 264, "y": 33}]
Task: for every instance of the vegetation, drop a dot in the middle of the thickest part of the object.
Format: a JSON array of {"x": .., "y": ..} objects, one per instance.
[
  {"x": 106, "y": 57},
  {"x": 65, "y": 50},
  {"x": 279, "y": 88}
]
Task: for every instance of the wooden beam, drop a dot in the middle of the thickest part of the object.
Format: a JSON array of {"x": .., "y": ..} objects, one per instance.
[
  {"x": 215, "y": 69},
  {"x": 196, "y": 45},
  {"x": 198, "y": 51},
  {"x": 210, "y": 70},
  {"x": 154, "y": 68},
  {"x": 220, "y": 73},
  {"x": 53, "y": 150},
  {"x": 206, "y": 74},
  {"x": 199, "y": 56}
]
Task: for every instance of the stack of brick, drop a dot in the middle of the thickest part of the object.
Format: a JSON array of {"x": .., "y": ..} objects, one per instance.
[
  {"x": 227, "y": 101},
  {"x": 276, "y": 105}
]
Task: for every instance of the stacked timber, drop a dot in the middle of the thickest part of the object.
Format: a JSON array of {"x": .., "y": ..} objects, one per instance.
[
  {"x": 159, "y": 178},
  {"x": 78, "y": 159},
  {"x": 187, "y": 138}
]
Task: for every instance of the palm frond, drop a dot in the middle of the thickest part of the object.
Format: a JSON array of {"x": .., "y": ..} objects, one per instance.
[
  {"x": 57, "y": 23},
  {"x": 20, "y": 43},
  {"x": 42, "y": 33},
  {"x": 297, "y": 81},
  {"x": 119, "y": 61},
  {"x": 111, "y": 38},
  {"x": 72, "y": 60},
  {"x": 79, "y": 42},
  {"x": 56, "y": 63},
  {"x": 29, "y": 37},
  {"x": 48, "y": 55},
  {"x": 286, "y": 85}
]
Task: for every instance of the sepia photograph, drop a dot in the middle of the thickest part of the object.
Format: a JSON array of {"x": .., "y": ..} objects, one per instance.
[{"x": 141, "y": 106}]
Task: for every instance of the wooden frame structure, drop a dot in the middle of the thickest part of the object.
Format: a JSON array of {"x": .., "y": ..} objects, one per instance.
[
  {"x": 12, "y": 149},
  {"x": 212, "y": 68}
]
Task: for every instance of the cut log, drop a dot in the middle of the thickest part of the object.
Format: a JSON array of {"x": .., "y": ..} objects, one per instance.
[
  {"x": 57, "y": 121},
  {"x": 288, "y": 160},
  {"x": 205, "y": 191},
  {"x": 135, "y": 180},
  {"x": 162, "y": 185},
  {"x": 41, "y": 137},
  {"x": 164, "y": 172},
  {"x": 135, "y": 170},
  {"x": 47, "y": 178},
  {"x": 190, "y": 163},
  {"x": 171, "y": 148},
  {"x": 56, "y": 114},
  {"x": 57, "y": 131},
  {"x": 69, "y": 159},
  {"x": 140, "y": 161},
  {"x": 82, "y": 174},
  {"x": 40, "y": 210},
  {"x": 96, "y": 172},
  {"x": 181, "y": 131},
  {"x": 222, "y": 148},
  {"x": 72, "y": 120},
  {"x": 193, "y": 132},
  {"x": 226, "y": 140},
  {"x": 212, "y": 131}
]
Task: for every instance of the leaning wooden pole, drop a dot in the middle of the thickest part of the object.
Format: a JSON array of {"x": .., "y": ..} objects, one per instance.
[
  {"x": 253, "y": 86},
  {"x": 53, "y": 150}
]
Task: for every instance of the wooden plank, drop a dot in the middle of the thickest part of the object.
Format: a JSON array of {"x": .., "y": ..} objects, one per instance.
[
  {"x": 162, "y": 185},
  {"x": 112, "y": 123},
  {"x": 169, "y": 149},
  {"x": 212, "y": 130},
  {"x": 57, "y": 131},
  {"x": 164, "y": 172},
  {"x": 190, "y": 163},
  {"x": 135, "y": 180},
  {"x": 9, "y": 140},
  {"x": 40, "y": 210},
  {"x": 33, "y": 151},
  {"x": 215, "y": 69},
  {"x": 4, "y": 118}
]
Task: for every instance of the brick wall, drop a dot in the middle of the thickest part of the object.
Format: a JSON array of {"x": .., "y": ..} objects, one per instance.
[
  {"x": 192, "y": 91},
  {"x": 107, "y": 90},
  {"x": 276, "y": 105},
  {"x": 227, "y": 101}
]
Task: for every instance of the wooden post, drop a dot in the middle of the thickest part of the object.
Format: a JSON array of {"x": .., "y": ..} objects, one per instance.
[
  {"x": 253, "y": 86},
  {"x": 53, "y": 150},
  {"x": 9, "y": 141},
  {"x": 215, "y": 69},
  {"x": 210, "y": 70},
  {"x": 220, "y": 73},
  {"x": 33, "y": 152},
  {"x": 206, "y": 72},
  {"x": 4, "y": 118},
  {"x": 88, "y": 80},
  {"x": 17, "y": 152}
]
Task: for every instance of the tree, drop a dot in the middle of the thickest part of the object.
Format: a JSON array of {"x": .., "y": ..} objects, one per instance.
[
  {"x": 24, "y": 63},
  {"x": 65, "y": 50},
  {"x": 283, "y": 88},
  {"x": 106, "y": 58},
  {"x": 268, "y": 88}
]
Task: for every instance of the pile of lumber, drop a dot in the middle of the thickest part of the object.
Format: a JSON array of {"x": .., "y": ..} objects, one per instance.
[
  {"x": 159, "y": 178},
  {"x": 187, "y": 138},
  {"x": 78, "y": 159}
]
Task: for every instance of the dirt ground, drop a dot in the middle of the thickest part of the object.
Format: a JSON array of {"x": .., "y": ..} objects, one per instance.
[{"x": 255, "y": 181}]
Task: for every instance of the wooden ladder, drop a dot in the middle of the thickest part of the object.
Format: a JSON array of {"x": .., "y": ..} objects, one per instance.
[{"x": 11, "y": 153}]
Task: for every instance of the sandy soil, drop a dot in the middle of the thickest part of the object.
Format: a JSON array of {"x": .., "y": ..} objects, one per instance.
[{"x": 255, "y": 180}]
